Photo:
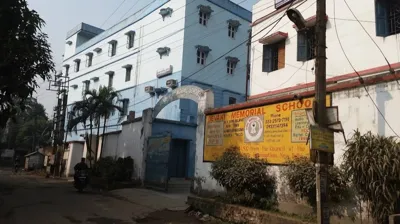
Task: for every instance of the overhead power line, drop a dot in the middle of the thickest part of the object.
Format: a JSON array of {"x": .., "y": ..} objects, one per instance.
[
  {"x": 133, "y": 6},
  {"x": 370, "y": 37},
  {"x": 119, "y": 6},
  {"x": 274, "y": 23},
  {"x": 361, "y": 80}
]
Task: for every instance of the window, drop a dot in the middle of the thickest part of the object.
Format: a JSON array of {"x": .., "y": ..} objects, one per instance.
[
  {"x": 128, "y": 73},
  {"x": 125, "y": 105},
  {"x": 233, "y": 26},
  {"x": 230, "y": 67},
  {"x": 110, "y": 80},
  {"x": 232, "y": 100},
  {"x": 112, "y": 49},
  {"x": 204, "y": 14},
  {"x": 231, "y": 31},
  {"x": 231, "y": 63},
  {"x": 201, "y": 57},
  {"x": 130, "y": 39},
  {"x": 66, "y": 70},
  {"x": 77, "y": 64},
  {"x": 273, "y": 57},
  {"x": 202, "y": 53},
  {"x": 86, "y": 87},
  {"x": 306, "y": 44},
  {"x": 89, "y": 59},
  {"x": 203, "y": 17},
  {"x": 387, "y": 14}
]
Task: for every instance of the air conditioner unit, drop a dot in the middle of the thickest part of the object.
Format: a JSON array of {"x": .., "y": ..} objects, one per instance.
[
  {"x": 172, "y": 83},
  {"x": 149, "y": 89}
]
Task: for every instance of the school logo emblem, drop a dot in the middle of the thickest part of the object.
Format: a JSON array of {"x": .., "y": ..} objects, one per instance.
[{"x": 254, "y": 129}]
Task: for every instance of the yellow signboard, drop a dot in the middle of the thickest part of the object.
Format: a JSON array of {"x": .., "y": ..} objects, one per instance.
[
  {"x": 276, "y": 132},
  {"x": 322, "y": 139}
]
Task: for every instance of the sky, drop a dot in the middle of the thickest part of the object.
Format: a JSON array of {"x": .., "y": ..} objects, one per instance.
[{"x": 63, "y": 15}]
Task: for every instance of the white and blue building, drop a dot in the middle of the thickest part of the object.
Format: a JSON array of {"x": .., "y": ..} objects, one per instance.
[
  {"x": 166, "y": 46},
  {"x": 170, "y": 43}
]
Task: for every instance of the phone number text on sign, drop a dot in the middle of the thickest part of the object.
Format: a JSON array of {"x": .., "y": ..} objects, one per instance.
[{"x": 276, "y": 132}]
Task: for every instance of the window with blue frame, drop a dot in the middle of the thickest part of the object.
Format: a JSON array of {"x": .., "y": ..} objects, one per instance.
[
  {"x": 273, "y": 56},
  {"x": 387, "y": 14},
  {"x": 306, "y": 44}
]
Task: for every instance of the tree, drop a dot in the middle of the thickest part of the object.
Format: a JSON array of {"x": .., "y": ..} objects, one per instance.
[
  {"x": 105, "y": 106},
  {"x": 301, "y": 179},
  {"x": 82, "y": 112},
  {"x": 94, "y": 106},
  {"x": 372, "y": 163},
  {"x": 25, "y": 55},
  {"x": 30, "y": 128},
  {"x": 35, "y": 133}
]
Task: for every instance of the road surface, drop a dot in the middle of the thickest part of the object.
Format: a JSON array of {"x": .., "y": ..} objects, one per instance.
[{"x": 29, "y": 200}]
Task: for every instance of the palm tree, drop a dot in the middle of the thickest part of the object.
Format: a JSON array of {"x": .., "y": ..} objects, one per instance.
[
  {"x": 83, "y": 111},
  {"x": 105, "y": 106}
]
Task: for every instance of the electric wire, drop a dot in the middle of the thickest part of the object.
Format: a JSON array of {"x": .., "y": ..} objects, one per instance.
[
  {"x": 361, "y": 80},
  {"x": 123, "y": 16},
  {"x": 116, "y": 37},
  {"x": 237, "y": 46},
  {"x": 148, "y": 44},
  {"x": 119, "y": 6},
  {"x": 391, "y": 70}
]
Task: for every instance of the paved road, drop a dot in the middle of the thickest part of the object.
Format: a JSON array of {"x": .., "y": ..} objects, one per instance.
[{"x": 29, "y": 200}]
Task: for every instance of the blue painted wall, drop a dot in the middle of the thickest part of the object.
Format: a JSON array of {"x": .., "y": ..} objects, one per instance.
[
  {"x": 221, "y": 98},
  {"x": 179, "y": 130}
]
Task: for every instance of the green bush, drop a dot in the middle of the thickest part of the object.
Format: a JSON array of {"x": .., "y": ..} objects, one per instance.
[
  {"x": 246, "y": 180},
  {"x": 301, "y": 176},
  {"x": 113, "y": 170},
  {"x": 372, "y": 163}
]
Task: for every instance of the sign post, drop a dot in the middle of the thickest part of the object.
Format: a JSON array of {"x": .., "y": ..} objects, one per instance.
[{"x": 321, "y": 139}]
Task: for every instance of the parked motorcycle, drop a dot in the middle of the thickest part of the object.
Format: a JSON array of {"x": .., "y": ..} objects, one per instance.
[{"x": 81, "y": 180}]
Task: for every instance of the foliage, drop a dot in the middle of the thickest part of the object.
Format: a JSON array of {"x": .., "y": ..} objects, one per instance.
[
  {"x": 35, "y": 131},
  {"x": 25, "y": 56},
  {"x": 30, "y": 128},
  {"x": 372, "y": 163},
  {"x": 246, "y": 180},
  {"x": 112, "y": 170},
  {"x": 94, "y": 106},
  {"x": 105, "y": 102},
  {"x": 81, "y": 112},
  {"x": 301, "y": 176}
]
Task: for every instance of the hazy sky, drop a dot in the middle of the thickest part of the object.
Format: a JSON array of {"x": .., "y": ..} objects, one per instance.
[{"x": 63, "y": 15}]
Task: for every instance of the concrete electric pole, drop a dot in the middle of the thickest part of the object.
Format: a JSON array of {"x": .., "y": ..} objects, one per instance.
[
  {"x": 321, "y": 116},
  {"x": 322, "y": 158}
]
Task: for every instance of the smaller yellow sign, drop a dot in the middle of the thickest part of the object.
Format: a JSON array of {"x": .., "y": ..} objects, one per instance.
[{"x": 322, "y": 139}]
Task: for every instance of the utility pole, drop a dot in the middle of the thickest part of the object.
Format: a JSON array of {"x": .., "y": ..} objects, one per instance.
[
  {"x": 320, "y": 109},
  {"x": 34, "y": 143},
  {"x": 322, "y": 158},
  {"x": 248, "y": 66},
  {"x": 60, "y": 84}
]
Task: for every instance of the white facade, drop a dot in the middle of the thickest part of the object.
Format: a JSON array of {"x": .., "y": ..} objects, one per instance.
[
  {"x": 182, "y": 34},
  {"x": 357, "y": 44},
  {"x": 142, "y": 56},
  {"x": 75, "y": 153},
  {"x": 356, "y": 109}
]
